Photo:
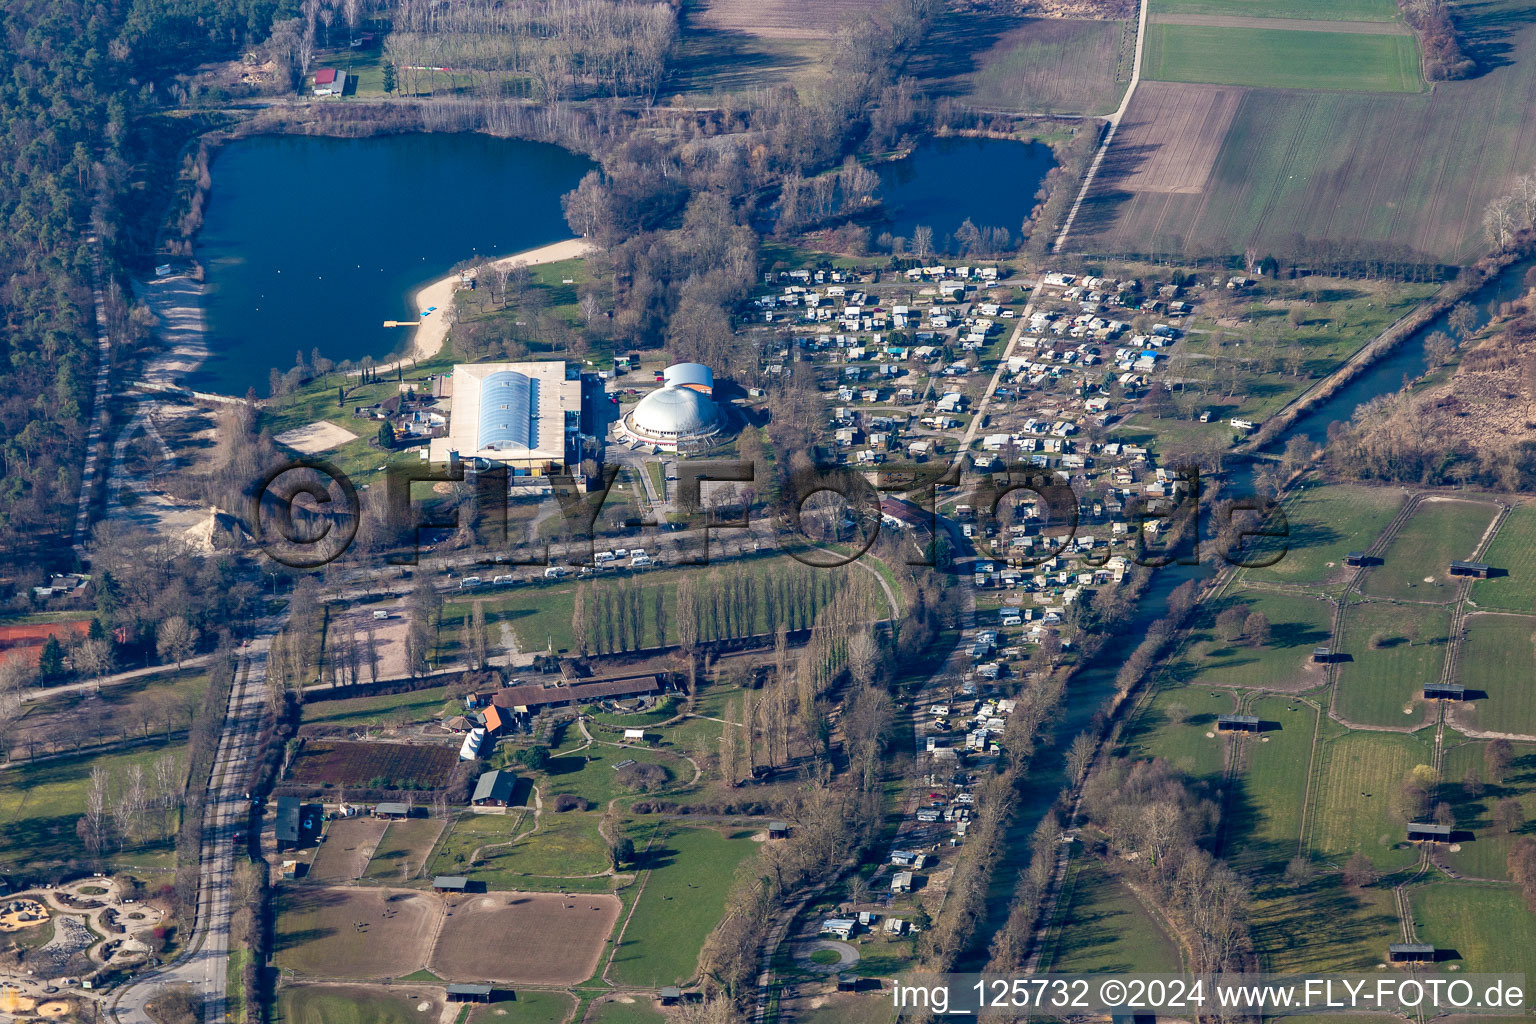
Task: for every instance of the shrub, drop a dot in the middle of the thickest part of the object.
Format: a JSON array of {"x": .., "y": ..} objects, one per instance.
[{"x": 570, "y": 802}]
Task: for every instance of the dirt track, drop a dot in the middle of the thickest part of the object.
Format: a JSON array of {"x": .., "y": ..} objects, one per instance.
[{"x": 543, "y": 938}]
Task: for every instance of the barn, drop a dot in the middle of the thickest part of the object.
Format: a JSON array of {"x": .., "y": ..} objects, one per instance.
[
  {"x": 493, "y": 789},
  {"x": 1410, "y": 953},
  {"x": 469, "y": 993},
  {"x": 1445, "y": 691},
  {"x": 1237, "y": 723},
  {"x": 1477, "y": 570},
  {"x": 1428, "y": 832}
]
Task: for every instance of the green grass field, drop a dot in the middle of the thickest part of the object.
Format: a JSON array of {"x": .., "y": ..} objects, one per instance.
[
  {"x": 565, "y": 844},
  {"x": 1174, "y": 727},
  {"x": 160, "y": 703},
  {"x": 1106, "y": 929},
  {"x": 1322, "y": 925},
  {"x": 1486, "y": 854},
  {"x": 1393, "y": 651},
  {"x": 1330, "y": 10},
  {"x": 527, "y": 1006},
  {"x": 346, "y": 1004},
  {"x": 1262, "y": 821},
  {"x": 1437, "y": 533},
  {"x": 1297, "y": 624},
  {"x": 1054, "y": 65},
  {"x": 1496, "y": 658},
  {"x": 41, "y": 803},
  {"x": 687, "y": 874},
  {"x": 641, "y": 1011},
  {"x": 415, "y": 706},
  {"x": 1488, "y": 925},
  {"x": 1514, "y": 550},
  {"x": 1355, "y": 806},
  {"x": 1323, "y": 523},
  {"x": 1281, "y": 58}
]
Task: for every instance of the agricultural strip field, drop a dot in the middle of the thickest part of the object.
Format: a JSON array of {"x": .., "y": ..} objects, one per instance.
[
  {"x": 1323, "y": 524},
  {"x": 1354, "y": 807},
  {"x": 1514, "y": 551},
  {"x": 1105, "y": 928},
  {"x": 1281, "y": 58},
  {"x": 1495, "y": 658},
  {"x": 1049, "y": 65},
  {"x": 380, "y": 765},
  {"x": 1310, "y": 174},
  {"x": 1486, "y": 854},
  {"x": 1341, "y": 10},
  {"x": 527, "y": 938},
  {"x": 1262, "y": 820},
  {"x": 1388, "y": 653},
  {"x": 404, "y": 850},
  {"x": 686, "y": 875},
  {"x": 1416, "y": 566},
  {"x": 1284, "y": 661},
  {"x": 1488, "y": 926}
]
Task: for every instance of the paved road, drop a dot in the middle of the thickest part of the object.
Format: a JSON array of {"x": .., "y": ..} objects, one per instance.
[{"x": 204, "y": 965}]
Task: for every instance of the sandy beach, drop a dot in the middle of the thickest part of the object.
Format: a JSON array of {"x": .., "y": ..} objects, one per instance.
[{"x": 434, "y": 327}]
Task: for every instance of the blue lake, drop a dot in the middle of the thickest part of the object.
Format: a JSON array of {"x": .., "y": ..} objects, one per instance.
[
  {"x": 312, "y": 243},
  {"x": 946, "y": 180}
]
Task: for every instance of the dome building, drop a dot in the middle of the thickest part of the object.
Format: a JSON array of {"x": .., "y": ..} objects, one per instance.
[{"x": 681, "y": 414}]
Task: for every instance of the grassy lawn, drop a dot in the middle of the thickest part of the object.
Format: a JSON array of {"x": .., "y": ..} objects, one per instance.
[
  {"x": 641, "y": 1011},
  {"x": 1281, "y": 59},
  {"x": 346, "y": 1004},
  {"x": 566, "y": 843},
  {"x": 1174, "y": 727},
  {"x": 1438, "y": 533},
  {"x": 41, "y": 803},
  {"x": 1332, "y": 10},
  {"x": 1496, "y": 659},
  {"x": 1393, "y": 651},
  {"x": 1323, "y": 523},
  {"x": 527, "y": 1006},
  {"x": 1514, "y": 550},
  {"x": 1106, "y": 929},
  {"x": 1488, "y": 925},
  {"x": 403, "y": 852},
  {"x": 1054, "y": 65},
  {"x": 1297, "y": 624},
  {"x": 688, "y": 873},
  {"x": 1486, "y": 854},
  {"x": 388, "y": 709},
  {"x": 1355, "y": 806},
  {"x": 591, "y": 774},
  {"x": 1262, "y": 827},
  {"x": 1322, "y": 925},
  {"x": 162, "y": 703}
]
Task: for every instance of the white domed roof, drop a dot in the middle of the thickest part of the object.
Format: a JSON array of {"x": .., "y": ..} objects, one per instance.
[{"x": 674, "y": 412}]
